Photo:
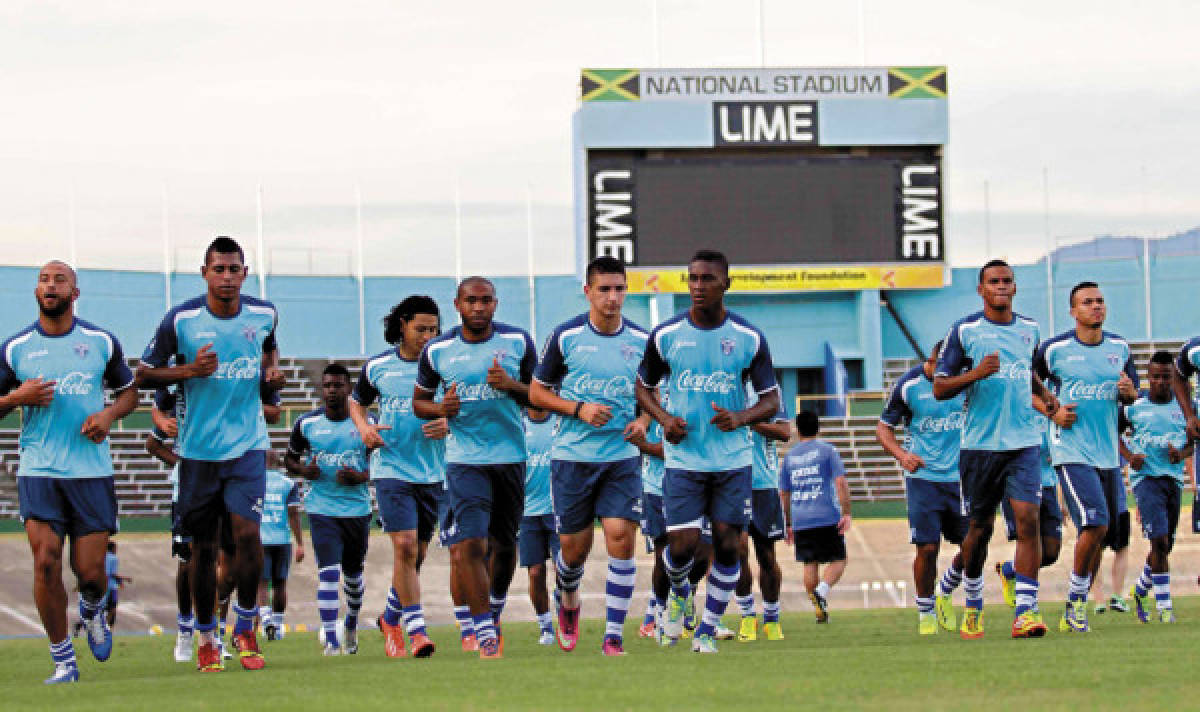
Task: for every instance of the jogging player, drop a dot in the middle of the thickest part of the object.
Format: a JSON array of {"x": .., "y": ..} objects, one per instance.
[{"x": 537, "y": 540}]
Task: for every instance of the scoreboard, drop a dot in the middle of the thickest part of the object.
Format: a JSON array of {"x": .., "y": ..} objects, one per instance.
[{"x": 807, "y": 179}]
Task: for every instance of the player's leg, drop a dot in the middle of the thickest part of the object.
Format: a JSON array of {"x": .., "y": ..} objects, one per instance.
[
  {"x": 185, "y": 619},
  {"x": 448, "y": 535},
  {"x": 981, "y": 492},
  {"x": 1087, "y": 503},
  {"x": 508, "y": 504},
  {"x": 89, "y": 507},
  {"x": 279, "y": 597},
  {"x": 573, "y": 490},
  {"x": 49, "y": 593},
  {"x": 472, "y": 500},
  {"x": 618, "y": 503},
  {"x": 1119, "y": 571},
  {"x": 770, "y": 581},
  {"x": 200, "y": 517},
  {"x": 743, "y": 593},
  {"x": 923, "y": 499},
  {"x": 354, "y": 535},
  {"x": 327, "y": 548},
  {"x": 805, "y": 554},
  {"x": 1022, "y": 487},
  {"x": 684, "y": 503},
  {"x": 244, "y": 482},
  {"x": 654, "y": 527},
  {"x": 730, "y": 505}
]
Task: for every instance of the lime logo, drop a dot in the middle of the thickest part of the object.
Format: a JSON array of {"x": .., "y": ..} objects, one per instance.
[
  {"x": 610, "y": 85},
  {"x": 917, "y": 82}
]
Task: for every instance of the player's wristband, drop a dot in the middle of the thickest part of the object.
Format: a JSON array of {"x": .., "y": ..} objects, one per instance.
[{"x": 578, "y": 407}]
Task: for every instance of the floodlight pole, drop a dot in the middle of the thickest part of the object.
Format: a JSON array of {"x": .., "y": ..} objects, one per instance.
[
  {"x": 529, "y": 266},
  {"x": 166, "y": 238},
  {"x": 362, "y": 304},
  {"x": 1049, "y": 248},
  {"x": 262, "y": 258},
  {"x": 458, "y": 271}
]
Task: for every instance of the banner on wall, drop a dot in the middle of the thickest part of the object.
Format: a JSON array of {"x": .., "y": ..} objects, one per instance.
[{"x": 795, "y": 279}]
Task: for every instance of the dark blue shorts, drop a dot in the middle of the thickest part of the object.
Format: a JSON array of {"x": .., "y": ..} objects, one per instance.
[
  {"x": 405, "y": 506},
  {"x": 934, "y": 511},
  {"x": 72, "y": 507},
  {"x": 340, "y": 541},
  {"x": 537, "y": 540},
  {"x": 690, "y": 496},
  {"x": 654, "y": 518},
  {"x": 1091, "y": 494},
  {"x": 585, "y": 491},
  {"x": 1158, "y": 500},
  {"x": 487, "y": 500},
  {"x": 277, "y": 562},
  {"x": 448, "y": 534},
  {"x": 766, "y": 515},
  {"x": 1050, "y": 517},
  {"x": 210, "y": 489},
  {"x": 990, "y": 476}
]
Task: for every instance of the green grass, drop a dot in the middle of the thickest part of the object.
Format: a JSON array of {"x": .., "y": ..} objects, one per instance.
[{"x": 862, "y": 659}]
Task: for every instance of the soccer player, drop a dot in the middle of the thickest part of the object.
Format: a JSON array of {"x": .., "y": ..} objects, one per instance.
[
  {"x": 766, "y": 528},
  {"x": 989, "y": 355},
  {"x": 280, "y": 517},
  {"x": 56, "y": 370},
  {"x": 816, "y": 510},
  {"x": 408, "y": 464},
  {"x": 538, "y": 540},
  {"x": 702, "y": 359},
  {"x": 115, "y": 583},
  {"x": 224, "y": 348},
  {"x": 326, "y": 449},
  {"x": 1157, "y": 447},
  {"x": 1090, "y": 370},
  {"x": 486, "y": 367},
  {"x": 929, "y": 457},
  {"x": 591, "y": 361}
]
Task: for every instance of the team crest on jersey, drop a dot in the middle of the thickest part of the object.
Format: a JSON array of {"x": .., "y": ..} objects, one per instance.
[
  {"x": 81, "y": 349},
  {"x": 1027, "y": 338},
  {"x": 500, "y": 354},
  {"x": 628, "y": 352},
  {"x": 727, "y": 345},
  {"x": 1114, "y": 359},
  {"x": 250, "y": 332}
]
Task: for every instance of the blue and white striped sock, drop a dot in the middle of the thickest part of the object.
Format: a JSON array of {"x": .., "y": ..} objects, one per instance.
[
  {"x": 89, "y": 606},
  {"x": 1162, "y": 591},
  {"x": 924, "y": 605},
  {"x": 1077, "y": 589},
  {"x": 391, "y": 612},
  {"x": 264, "y": 615},
  {"x": 496, "y": 605},
  {"x": 678, "y": 573},
  {"x": 485, "y": 629},
  {"x": 466, "y": 624},
  {"x": 949, "y": 581},
  {"x": 353, "y": 587},
  {"x": 770, "y": 611},
  {"x": 974, "y": 589},
  {"x": 1144, "y": 581},
  {"x": 545, "y": 622},
  {"x": 414, "y": 620},
  {"x": 746, "y": 605},
  {"x": 245, "y": 619},
  {"x": 186, "y": 623},
  {"x": 569, "y": 577},
  {"x": 327, "y": 601},
  {"x": 63, "y": 652},
  {"x": 718, "y": 591},
  {"x": 618, "y": 593},
  {"x": 1027, "y": 591},
  {"x": 651, "y": 610}
]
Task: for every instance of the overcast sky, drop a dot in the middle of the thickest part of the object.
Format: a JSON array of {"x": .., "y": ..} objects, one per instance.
[{"x": 110, "y": 106}]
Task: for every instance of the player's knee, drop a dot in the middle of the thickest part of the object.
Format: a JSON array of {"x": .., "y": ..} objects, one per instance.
[
  {"x": 1050, "y": 551},
  {"x": 406, "y": 549},
  {"x": 1027, "y": 528},
  {"x": 47, "y": 565},
  {"x": 927, "y": 552},
  {"x": 1160, "y": 546}
]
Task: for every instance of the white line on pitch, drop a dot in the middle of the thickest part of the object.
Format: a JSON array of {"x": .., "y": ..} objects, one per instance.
[{"x": 14, "y": 613}]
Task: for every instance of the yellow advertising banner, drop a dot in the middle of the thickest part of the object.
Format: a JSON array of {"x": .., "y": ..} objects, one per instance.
[{"x": 666, "y": 280}]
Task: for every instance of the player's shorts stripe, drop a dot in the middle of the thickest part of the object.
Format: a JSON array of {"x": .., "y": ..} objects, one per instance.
[{"x": 1071, "y": 490}]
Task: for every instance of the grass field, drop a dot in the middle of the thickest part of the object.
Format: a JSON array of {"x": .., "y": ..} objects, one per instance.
[{"x": 862, "y": 659}]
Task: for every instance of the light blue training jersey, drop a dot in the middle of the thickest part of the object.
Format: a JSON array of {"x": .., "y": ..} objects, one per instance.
[
  {"x": 999, "y": 408},
  {"x": 406, "y": 453},
  {"x": 489, "y": 428},
  {"x": 1153, "y": 427},
  {"x": 808, "y": 473},
  {"x": 82, "y": 363},
  {"x": 589, "y": 366},
  {"x": 932, "y": 428},
  {"x": 653, "y": 468},
  {"x": 225, "y": 418},
  {"x": 332, "y": 445},
  {"x": 766, "y": 452},
  {"x": 1086, "y": 376},
  {"x": 702, "y": 367},
  {"x": 539, "y": 441},
  {"x": 111, "y": 565},
  {"x": 1049, "y": 475},
  {"x": 282, "y": 494}
]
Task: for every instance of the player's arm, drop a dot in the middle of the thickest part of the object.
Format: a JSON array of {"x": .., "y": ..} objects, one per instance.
[
  {"x": 516, "y": 388},
  {"x": 298, "y": 447},
  {"x": 159, "y": 449},
  {"x": 272, "y": 411},
  {"x": 887, "y": 440},
  {"x": 1181, "y": 384},
  {"x": 843, "y": 494},
  {"x": 650, "y": 449},
  {"x": 780, "y": 430},
  {"x": 785, "y": 499},
  {"x": 1063, "y": 416},
  {"x": 297, "y": 528},
  {"x": 594, "y": 414},
  {"x": 955, "y": 370},
  {"x": 1136, "y": 460},
  {"x": 761, "y": 372},
  {"x": 272, "y": 376}
]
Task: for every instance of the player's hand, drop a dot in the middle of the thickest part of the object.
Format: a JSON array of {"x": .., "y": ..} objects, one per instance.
[
  {"x": 34, "y": 392},
  {"x": 274, "y": 378},
  {"x": 170, "y": 427},
  {"x": 1126, "y": 391},
  {"x": 1173, "y": 456},
  {"x": 595, "y": 415},
  {"x": 351, "y": 476},
  {"x": 911, "y": 462},
  {"x": 436, "y": 429},
  {"x": 498, "y": 378},
  {"x": 1138, "y": 461},
  {"x": 989, "y": 365},
  {"x": 726, "y": 420},
  {"x": 96, "y": 427},
  {"x": 1051, "y": 403},
  {"x": 371, "y": 435},
  {"x": 843, "y": 524},
  {"x": 675, "y": 430},
  {"x": 635, "y": 432},
  {"x": 1193, "y": 428},
  {"x": 1065, "y": 416},
  {"x": 299, "y": 553},
  {"x": 205, "y": 363},
  {"x": 450, "y": 401}
]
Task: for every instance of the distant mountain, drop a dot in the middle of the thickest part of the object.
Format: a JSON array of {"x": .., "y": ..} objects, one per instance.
[{"x": 1114, "y": 246}]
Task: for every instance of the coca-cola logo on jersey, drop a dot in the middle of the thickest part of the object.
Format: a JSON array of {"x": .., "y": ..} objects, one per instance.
[
  {"x": 243, "y": 368},
  {"x": 1014, "y": 371},
  {"x": 1078, "y": 390},
  {"x": 716, "y": 382},
  {"x": 401, "y": 405},
  {"x": 477, "y": 392},
  {"x": 348, "y": 458},
  {"x": 1145, "y": 441},
  {"x": 538, "y": 459},
  {"x": 75, "y": 383},
  {"x": 615, "y": 387},
  {"x": 929, "y": 424}
]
